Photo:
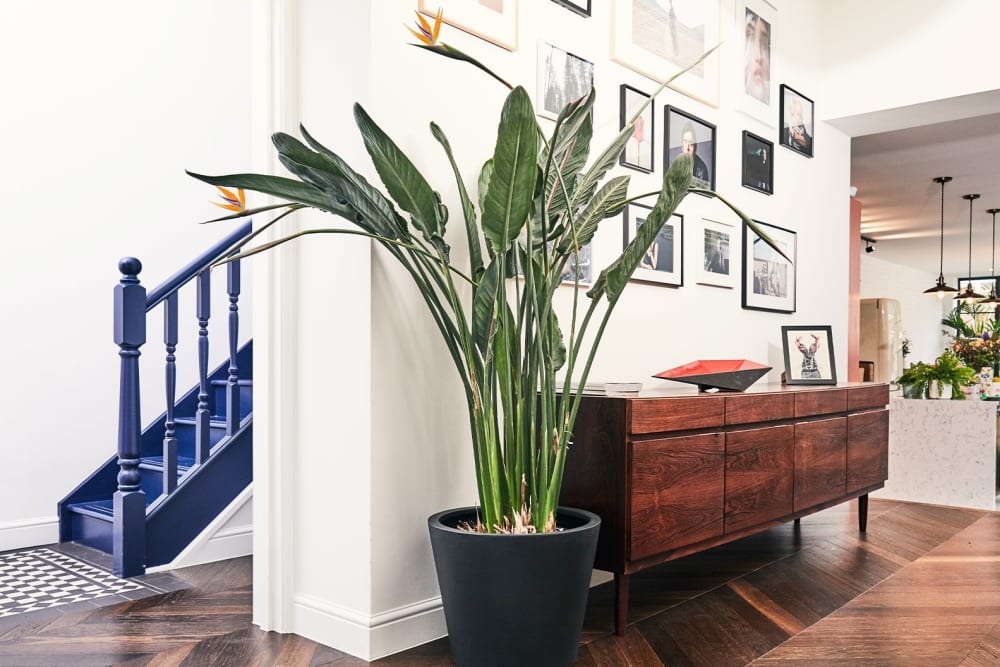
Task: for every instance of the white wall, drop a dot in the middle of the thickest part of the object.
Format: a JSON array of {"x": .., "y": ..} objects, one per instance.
[
  {"x": 897, "y": 58},
  {"x": 921, "y": 313},
  {"x": 105, "y": 105}
]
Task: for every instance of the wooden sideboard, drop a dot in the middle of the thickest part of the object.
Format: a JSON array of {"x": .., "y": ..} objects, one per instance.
[{"x": 674, "y": 472}]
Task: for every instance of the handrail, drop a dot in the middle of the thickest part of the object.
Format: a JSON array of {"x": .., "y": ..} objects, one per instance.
[{"x": 182, "y": 277}]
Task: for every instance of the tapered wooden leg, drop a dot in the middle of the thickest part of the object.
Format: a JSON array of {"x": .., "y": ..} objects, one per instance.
[
  {"x": 798, "y": 521},
  {"x": 621, "y": 603},
  {"x": 863, "y": 513}
]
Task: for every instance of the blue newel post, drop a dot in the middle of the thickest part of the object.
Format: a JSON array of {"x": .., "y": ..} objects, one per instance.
[{"x": 129, "y": 500}]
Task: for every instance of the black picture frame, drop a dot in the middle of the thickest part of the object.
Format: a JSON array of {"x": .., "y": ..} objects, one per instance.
[
  {"x": 664, "y": 261},
  {"x": 808, "y": 353},
  {"x": 638, "y": 153},
  {"x": 797, "y": 121},
  {"x": 677, "y": 127},
  {"x": 562, "y": 78},
  {"x": 581, "y": 7},
  {"x": 758, "y": 163},
  {"x": 769, "y": 280}
]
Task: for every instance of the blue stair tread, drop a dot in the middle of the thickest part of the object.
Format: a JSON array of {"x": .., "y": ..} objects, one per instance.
[
  {"x": 98, "y": 509},
  {"x": 184, "y": 463},
  {"x": 214, "y": 421}
]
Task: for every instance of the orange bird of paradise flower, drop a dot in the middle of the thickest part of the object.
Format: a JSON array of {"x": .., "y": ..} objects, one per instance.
[
  {"x": 236, "y": 202},
  {"x": 425, "y": 33},
  {"x": 428, "y": 36}
]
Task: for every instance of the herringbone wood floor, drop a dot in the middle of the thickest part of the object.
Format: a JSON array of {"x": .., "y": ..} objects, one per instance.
[{"x": 921, "y": 588}]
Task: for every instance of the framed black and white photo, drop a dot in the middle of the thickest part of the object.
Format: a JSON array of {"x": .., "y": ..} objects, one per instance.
[
  {"x": 663, "y": 263},
  {"x": 579, "y": 265},
  {"x": 581, "y": 7},
  {"x": 768, "y": 278},
  {"x": 798, "y": 115},
  {"x": 638, "y": 153},
  {"x": 758, "y": 163},
  {"x": 562, "y": 78},
  {"x": 755, "y": 27},
  {"x": 689, "y": 134},
  {"x": 658, "y": 39},
  {"x": 808, "y": 354},
  {"x": 715, "y": 265}
]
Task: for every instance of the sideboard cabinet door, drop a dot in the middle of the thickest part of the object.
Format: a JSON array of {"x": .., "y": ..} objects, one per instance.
[
  {"x": 759, "y": 465},
  {"x": 677, "y": 492},
  {"x": 820, "y": 461},
  {"x": 867, "y": 449}
]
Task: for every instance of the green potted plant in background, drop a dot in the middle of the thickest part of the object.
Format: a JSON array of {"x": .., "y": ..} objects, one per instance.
[
  {"x": 913, "y": 381},
  {"x": 947, "y": 375},
  {"x": 540, "y": 199}
]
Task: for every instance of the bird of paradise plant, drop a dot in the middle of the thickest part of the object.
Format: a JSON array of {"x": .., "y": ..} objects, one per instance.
[{"x": 538, "y": 203}]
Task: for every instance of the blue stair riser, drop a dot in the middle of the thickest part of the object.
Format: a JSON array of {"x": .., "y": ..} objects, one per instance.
[
  {"x": 185, "y": 434},
  {"x": 217, "y": 398},
  {"x": 91, "y": 531}
]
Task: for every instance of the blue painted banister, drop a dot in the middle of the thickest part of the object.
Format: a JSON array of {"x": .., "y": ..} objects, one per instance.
[
  {"x": 193, "y": 268},
  {"x": 129, "y": 503},
  {"x": 202, "y": 421},
  {"x": 232, "y": 384}
]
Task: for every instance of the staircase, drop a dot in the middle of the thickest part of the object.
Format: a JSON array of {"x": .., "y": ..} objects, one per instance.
[{"x": 169, "y": 480}]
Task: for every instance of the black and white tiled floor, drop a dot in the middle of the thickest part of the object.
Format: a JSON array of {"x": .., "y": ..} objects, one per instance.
[{"x": 66, "y": 577}]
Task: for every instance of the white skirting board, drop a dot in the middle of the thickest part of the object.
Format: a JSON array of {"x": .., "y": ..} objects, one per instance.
[
  {"x": 219, "y": 540},
  {"x": 29, "y": 532},
  {"x": 368, "y": 638}
]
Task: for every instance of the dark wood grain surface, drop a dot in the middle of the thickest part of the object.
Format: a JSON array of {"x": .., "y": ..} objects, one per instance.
[
  {"x": 820, "y": 402},
  {"x": 820, "y": 461},
  {"x": 919, "y": 589},
  {"x": 759, "y": 465},
  {"x": 677, "y": 492},
  {"x": 867, "y": 449},
  {"x": 677, "y": 414}
]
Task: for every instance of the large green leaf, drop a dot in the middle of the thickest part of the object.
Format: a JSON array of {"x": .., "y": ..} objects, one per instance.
[
  {"x": 675, "y": 186},
  {"x": 512, "y": 183},
  {"x": 608, "y": 201},
  {"x": 484, "y": 307},
  {"x": 405, "y": 184},
  {"x": 471, "y": 226},
  {"x": 604, "y": 162},
  {"x": 339, "y": 167},
  {"x": 283, "y": 188},
  {"x": 374, "y": 212},
  {"x": 570, "y": 148}
]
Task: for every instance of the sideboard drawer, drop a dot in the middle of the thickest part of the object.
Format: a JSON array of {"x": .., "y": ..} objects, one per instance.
[
  {"x": 759, "y": 467},
  {"x": 867, "y": 449},
  {"x": 876, "y": 396},
  {"x": 808, "y": 403},
  {"x": 820, "y": 461},
  {"x": 676, "y": 414},
  {"x": 676, "y": 492},
  {"x": 751, "y": 408}
]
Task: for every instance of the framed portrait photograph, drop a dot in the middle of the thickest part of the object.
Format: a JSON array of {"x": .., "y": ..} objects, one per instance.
[
  {"x": 715, "y": 266},
  {"x": 492, "y": 20},
  {"x": 758, "y": 163},
  {"x": 768, "y": 278},
  {"x": 755, "y": 33},
  {"x": 659, "y": 38},
  {"x": 562, "y": 78},
  {"x": 797, "y": 121},
  {"x": 581, "y": 7},
  {"x": 689, "y": 134},
  {"x": 638, "y": 153},
  {"x": 663, "y": 263},
  {"x": 808, "y": 354}
]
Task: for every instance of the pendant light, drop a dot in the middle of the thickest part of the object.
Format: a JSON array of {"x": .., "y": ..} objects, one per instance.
[
  {"x": 968, "y": 295},
  {"x": 993, "y": 299},
  {"x": 941, "y": 288}
]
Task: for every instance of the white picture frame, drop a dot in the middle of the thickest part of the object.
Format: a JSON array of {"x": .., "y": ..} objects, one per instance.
[
  {"x": 755, "y": 32},
  {"x": 664, "y": 261},
  {"x": 494, "y": 20},
  {"x": 717, "y": 253},
  {"x": 562, "y": 77},
  {"x": 646, "y": 39}
]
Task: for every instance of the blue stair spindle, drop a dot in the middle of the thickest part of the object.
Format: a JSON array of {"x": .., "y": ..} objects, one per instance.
[
  {"x": 170, "y": 426},
  {"x": 202, "y": 417},
  {"x": 129, "y": 501},
  {"x": 232, "y": 386}
]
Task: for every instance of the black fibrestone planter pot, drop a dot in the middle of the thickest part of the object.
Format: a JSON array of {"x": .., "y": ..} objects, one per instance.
[{"x": 514, "y": 599}]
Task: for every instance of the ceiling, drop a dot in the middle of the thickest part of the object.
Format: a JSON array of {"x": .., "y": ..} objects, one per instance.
[{"x": 901, "y": 204}]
